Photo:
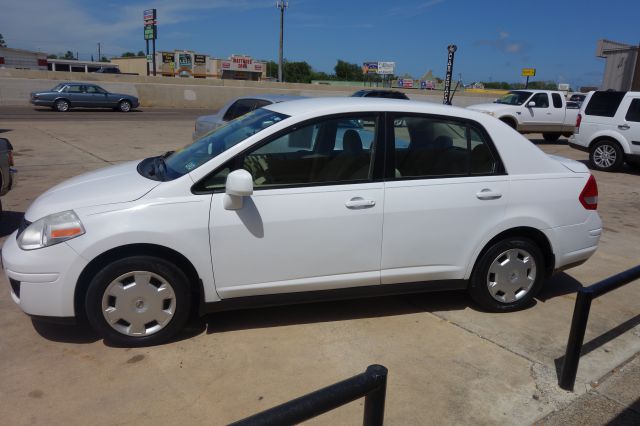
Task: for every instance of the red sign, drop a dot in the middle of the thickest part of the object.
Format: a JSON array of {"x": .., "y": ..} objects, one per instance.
[{"x": 407, "y": 83}]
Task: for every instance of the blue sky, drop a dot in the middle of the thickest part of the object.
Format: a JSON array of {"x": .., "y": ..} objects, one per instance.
[{"x": 495, "y": 38}]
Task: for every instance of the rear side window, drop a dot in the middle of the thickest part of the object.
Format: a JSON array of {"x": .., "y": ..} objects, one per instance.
[
  {"x": 557, "y": 100},
  {"x": 604, "y": 104},
  {"x": 240, "y": 107},
  {"x": 633, "y": 114}
]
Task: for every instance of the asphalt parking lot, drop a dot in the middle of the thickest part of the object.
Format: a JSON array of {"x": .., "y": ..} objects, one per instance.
[{"x": 448, "y": 362}]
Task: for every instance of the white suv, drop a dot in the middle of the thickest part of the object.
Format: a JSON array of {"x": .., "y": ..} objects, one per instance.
[{"x": 608, "y": 128}]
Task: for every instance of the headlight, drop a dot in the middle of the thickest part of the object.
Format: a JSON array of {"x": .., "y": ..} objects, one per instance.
[
  {"x": 490, "y": 113},
  {"x": 50, "y": 230}
]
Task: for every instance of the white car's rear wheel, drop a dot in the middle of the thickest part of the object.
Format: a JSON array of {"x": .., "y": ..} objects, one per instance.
[
  {"x": 138, "y": 301},
  {"x": 508, "y": 275},
  {"x": 606, "y": 155}
]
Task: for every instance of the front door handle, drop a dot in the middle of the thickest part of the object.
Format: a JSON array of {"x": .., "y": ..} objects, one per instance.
[
  {"x": 623, "y": 127},
  {"x": 359, "y": 203},
  {"x": 488, "y": 194}
]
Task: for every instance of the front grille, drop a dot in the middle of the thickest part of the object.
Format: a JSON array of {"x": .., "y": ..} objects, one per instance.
[{"x": 15, "y": 287}]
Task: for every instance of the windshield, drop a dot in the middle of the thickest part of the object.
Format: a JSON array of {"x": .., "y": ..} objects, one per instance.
[
  {"x": 216, "y": 142},
  {"x": 516, "y": 97}
]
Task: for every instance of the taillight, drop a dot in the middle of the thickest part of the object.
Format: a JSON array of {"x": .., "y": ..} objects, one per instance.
[
  {"x": 589, "y": 195},
  {"x": 11, "y": 158},
  {"x": 578, "y": 121}
]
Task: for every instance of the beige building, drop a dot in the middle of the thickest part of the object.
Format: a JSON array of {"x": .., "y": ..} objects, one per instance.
[
  {"x": 189, "y": 64},
  {"x": 22, "y": 59}
]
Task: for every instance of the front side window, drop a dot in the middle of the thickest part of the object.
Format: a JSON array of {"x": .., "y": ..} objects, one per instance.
[
  {"x": 515, "y": 97},
  {"x": 95, "y": 89},
  {"x": 335, "y": 150},
  {"x": 239, "y": 108},
  {"x": 633, "y": 114},
  {"x": 219, "y": 140},
  {"x": 437, "y": 147},
  {"x": 541, "y": 100}
]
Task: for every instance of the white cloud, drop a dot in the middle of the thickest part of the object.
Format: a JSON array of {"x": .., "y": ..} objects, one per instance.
[
  {"x": 415, "y": 9},
  {"x": 61, "y": 25},
  {"x": 504, "y": 43}
]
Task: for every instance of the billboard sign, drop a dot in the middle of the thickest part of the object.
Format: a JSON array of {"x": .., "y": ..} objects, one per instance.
[
  {"x": 149, "y": 15},
  {"x": 184, "y": 60},
  {"x": 528, "y": 72},
  {"x": 167, "y": 57},
  {"x": 386, "y": 68},
  {"x": 199, "y": 59},
  {"x": 150, "y": 32},
  {"x": 370, "y": 68},
  {"x": 242, "y": 63}
]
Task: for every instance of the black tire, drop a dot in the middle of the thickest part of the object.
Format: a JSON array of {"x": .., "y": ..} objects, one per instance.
[
  {"x": 177, "y": 306},
  {"x": 62, "y": 105},
  {"x": 124, "y": 106},
  {"x": 525, "y": 279},
  {"x": 551, "y": 137},
  {"x": 606, "y": 155},
  {"x": 509, "y": 122}
]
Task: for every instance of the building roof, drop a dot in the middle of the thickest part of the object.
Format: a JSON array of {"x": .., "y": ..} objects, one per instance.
[{"x": 22, "y": 51}]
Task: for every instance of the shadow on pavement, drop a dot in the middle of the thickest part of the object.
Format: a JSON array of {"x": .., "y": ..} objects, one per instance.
[
  {"x": 9, "y": 222},
  {"x": 79, "y": 333},
  {"x": 310, "y": 313},
  {"x": 561, "y": 141},
  {"x": 629, "y": 416},
  {"x": 601, "y": 340},
  {"x": 558, "y": 285}
]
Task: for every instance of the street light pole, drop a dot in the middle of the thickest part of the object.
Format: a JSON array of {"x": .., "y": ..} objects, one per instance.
[{"x": 282, "y": 5}]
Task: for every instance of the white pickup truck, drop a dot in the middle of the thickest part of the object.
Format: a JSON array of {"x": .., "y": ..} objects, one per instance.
[{"x": 534, "y": 111}]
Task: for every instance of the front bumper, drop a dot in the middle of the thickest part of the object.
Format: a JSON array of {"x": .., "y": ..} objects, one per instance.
[
  {"x": 42, "y": 281},
  {"x": 41, "y": 102}
]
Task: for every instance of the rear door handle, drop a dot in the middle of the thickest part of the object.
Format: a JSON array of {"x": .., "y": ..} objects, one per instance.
[
  {"x": 488, "y": 194},
  {"x": 359, "y": 203},
  {"x": 623, "y": 127}
]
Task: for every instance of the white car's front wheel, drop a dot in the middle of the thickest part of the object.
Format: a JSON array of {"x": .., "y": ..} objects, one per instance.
[
  {"x": 138, "y": 301},
  {"x": 508, "y": 275}
]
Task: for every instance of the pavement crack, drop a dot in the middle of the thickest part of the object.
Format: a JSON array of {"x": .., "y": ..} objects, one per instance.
[{"x": 66, "y": 142}]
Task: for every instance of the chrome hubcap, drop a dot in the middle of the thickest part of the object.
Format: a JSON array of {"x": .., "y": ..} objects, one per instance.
[
  {"x": 138, "y": 303},
  {"x": 125, "y": 106},
  {"x": 604, "y": 156},
  {"x": 511, "y": 275}
]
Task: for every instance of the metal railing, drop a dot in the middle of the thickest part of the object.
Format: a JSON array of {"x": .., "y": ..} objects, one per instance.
[
  {"x": 580, "y": 318},
  {"x": 372, "y": 385}
]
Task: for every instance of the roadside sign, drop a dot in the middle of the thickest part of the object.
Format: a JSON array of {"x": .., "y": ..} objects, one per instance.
[
  {"x": 370, "y": 68},
  {"x": 149, "y": 15},
  {"x": 150, "y": 32},
  {"x": 528, "y": 72},
  {"x": 149, "y": 58},
  {"x": 386, "y": 68},
  {"x": 400, "y": 82}
]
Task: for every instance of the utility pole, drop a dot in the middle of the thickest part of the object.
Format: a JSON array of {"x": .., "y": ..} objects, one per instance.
[
  {"x": 282, "y": 5},
  {"x": 99, "y": 55}
]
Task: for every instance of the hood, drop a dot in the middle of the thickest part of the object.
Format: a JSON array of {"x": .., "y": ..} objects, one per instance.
[
  {"x": 492, "y": 107},
  {"x": 114, "y": 184}
]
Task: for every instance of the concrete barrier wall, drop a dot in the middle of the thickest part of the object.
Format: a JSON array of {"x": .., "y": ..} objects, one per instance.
[{"x": 16, "y": 85}]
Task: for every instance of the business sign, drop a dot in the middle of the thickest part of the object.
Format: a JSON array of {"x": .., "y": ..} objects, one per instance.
[
  {"x": 386, "y": 68},
  {"x": 167, "y": 58},
  {"x": 184, "y": 60},
  {"x": 451, "y": 50},
  {"x": 149, "y": 15},
  {"x": 370, "y": 68},
  {"x": 242, "y": 63},
  {"x": 427, "y": 85},
  {"x": 150, "y": 32},
  {"x": 199, "y": 59},
  {"x": 528, "y": 72},
  {"x": 407, "y": 83},
  {"x": 150, "y": 58}
]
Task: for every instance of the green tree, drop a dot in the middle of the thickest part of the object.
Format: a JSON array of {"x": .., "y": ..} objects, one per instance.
[
  {"x": 141, "y": 53},
  {"x": 104, "y": 59},
  {"x": 52, "y": 56},
  {"x": 347, "y": 71},
  {"x": 2, "y": 42},
  {"x": 128, "y": 55},
  {"x": 69, "y": 55},
  {"x": 272, "y": 69}
]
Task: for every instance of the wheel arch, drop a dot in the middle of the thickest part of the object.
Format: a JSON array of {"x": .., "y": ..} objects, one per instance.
[
  {"x": 602, "y": 137},
  {"x": 509, "y": 120},
  {"x": 533, "y": 234},
  {"x": 62, "y": 98},
  {"x": 122, "y": 252}
]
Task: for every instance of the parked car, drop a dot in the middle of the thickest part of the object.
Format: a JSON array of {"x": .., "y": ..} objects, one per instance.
[
  {"x": 288, "y": 204},
  {"x": 578, "y": 98},
  {"x": 377, "y": 93},
  {"x": 608, "y": 128},
  {"x": 83, "y": 95},
  {"x": 7, "y": 172},
  {"x": 235, "y": 109},
  {"x": 108, "y": 70},
  {"x": 534, "y": 111}
]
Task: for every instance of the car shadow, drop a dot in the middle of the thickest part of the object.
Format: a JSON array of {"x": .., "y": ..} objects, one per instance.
[
  {"x": 82, "y": 110},
  {"x": 343, "y": 310},
  {"x": 65, "y": 333},
  {"x": 561, "y": 141},
  {"x": 9, "y": 222},
  {"x": 558, "y": 285},
  {"x": 626, "y": 169}
]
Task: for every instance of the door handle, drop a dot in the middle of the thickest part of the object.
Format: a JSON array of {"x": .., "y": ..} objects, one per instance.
[
  {"x": 623, "y": 127},
  {"x": 359, "y": 203},
  {"x": 488, "y": 194}
]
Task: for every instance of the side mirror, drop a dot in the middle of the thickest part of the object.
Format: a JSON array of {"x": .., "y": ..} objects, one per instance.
[
  {"x": 531, "y": 104},
  {"x": 239, "y": 184}
]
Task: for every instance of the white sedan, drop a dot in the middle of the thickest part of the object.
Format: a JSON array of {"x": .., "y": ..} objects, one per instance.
[{"x": 305, "y": 200}]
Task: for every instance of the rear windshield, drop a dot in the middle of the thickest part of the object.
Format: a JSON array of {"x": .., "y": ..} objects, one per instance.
[{"x": 604, "y": 104}]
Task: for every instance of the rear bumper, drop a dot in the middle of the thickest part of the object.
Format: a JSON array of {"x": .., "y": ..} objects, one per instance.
[{"x": 574, "y": 244}]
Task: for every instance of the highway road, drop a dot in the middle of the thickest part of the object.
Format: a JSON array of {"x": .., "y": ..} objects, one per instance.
[{"x": 83, "y": 115}]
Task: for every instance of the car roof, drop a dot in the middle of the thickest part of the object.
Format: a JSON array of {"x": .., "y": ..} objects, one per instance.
[
  {"x": 329, "y": 105},
  {"x": 273, "y": 97}
]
